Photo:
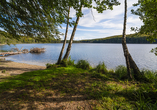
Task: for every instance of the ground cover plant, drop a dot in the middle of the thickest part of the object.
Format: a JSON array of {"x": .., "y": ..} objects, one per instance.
[{"x": 72, "y": 88}]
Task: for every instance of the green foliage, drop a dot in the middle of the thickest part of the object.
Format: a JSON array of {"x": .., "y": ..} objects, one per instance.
[
  {"x": 104, "y": 5},
  {"x": 26, "y": 39},
  {"x": 101, "y": 68},
  {"x": 48, "y": 65},
  {"x": 121, "y": 72},
  {"x": 154, "y": 51},
  {"x": 95, "y": 74},
  {"x": 150, "y": 75},
  {"x": 147, "y": 13},
  {"x": 19, "y": 18},
  {"x": 103, "y": 91},
  {"x": 68, "y": 62},
  {"x": 40, "y": 18},
  {"x": 83, "y": 64},
  {"x": 144, "y": 102}
]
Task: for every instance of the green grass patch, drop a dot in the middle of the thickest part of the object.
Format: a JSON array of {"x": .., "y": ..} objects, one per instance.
[{"x": 107, "y": 90}]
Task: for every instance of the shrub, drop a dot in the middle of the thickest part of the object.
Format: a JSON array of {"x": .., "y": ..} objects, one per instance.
[
  {"x": 68, "y": 62},
  {"x": 48, "y": 65},
  {"x": 83, "y": 64},
  {"x": 64, "y": 63},
  {"x": 150, "y": 75},
  {"x": 121, "y": 72},
  {"x": 101, "y": 68},
  {"x": 96, "y": 75}
]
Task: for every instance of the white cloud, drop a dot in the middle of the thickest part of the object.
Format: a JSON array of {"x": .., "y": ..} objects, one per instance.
[
  {"x": 72, "y": 12},
  {"x": 104, "y": 24}
]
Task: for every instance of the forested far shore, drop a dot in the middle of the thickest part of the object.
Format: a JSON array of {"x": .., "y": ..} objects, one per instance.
[
  {"x": 112, "y": 39},
  {"x": 23, "y": 39},
  {"x": 118, "y": 39}
]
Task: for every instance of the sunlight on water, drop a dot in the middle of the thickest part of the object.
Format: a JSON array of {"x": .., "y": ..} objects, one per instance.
[{"x": 111, "y": 54}]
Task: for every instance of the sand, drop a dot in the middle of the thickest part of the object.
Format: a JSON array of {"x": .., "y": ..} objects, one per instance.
[{"x": 8, "y": 68}]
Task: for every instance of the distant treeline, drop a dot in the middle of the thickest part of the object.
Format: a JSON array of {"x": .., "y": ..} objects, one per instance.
[
  {"x": 113, "y": 39},
  {"x": 118, "y": 39},
  {"x": 4, "y": 40}
]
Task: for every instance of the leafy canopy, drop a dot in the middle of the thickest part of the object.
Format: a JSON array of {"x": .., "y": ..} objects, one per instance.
[
  {"x": 29, "y": 17},
  {"x": 41, "y": 18},
  {"x": 147, "y": 12}
]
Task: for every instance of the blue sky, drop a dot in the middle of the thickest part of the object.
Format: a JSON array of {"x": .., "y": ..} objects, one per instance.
[{"x": 104, "y": 24}]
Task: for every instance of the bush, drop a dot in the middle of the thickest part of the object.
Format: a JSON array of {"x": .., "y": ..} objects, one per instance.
[
  {"x": 48, "y": 65},
  {"x": 96, "y": 75},
  {"x": 121, "y": 72},
  {"x": 150, "y": 75},
  {"x": 68, "y": 62},
  {"x": 83, "y": 64},
  {"x": 101, "y": 68}
]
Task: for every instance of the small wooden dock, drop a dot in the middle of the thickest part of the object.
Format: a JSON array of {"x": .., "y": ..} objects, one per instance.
[{"x": 9, "y": 53}]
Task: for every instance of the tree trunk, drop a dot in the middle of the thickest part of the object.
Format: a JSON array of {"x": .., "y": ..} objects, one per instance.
[
  {"x": 71, "y": 38},
  {"x": 129, "y": 60},
  {"x": 137, "y": 74},
  {"x": 61, "y": 53},
  {"x": 125, "y": 49}
]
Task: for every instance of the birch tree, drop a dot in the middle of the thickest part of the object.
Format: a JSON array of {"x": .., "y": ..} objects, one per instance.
[{"x": 129, "y": 60}]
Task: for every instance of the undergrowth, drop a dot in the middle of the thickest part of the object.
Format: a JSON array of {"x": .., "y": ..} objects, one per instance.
[
  {"x": 83, "y": 64},
  {"x": 107, "y": 87},
  {"x": 68, "y": 62},
  {"x": 101, "y": 68}
]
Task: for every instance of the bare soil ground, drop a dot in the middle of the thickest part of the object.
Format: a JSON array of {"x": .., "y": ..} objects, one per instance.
[{"x": 9, "y": 68}]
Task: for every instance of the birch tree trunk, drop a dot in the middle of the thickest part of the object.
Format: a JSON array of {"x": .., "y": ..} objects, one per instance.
[
  {"x": 125, "y": 49},
  {"x": 66, "y": 32},
  {"x": 129, "y": 60},
  {"x": 72, "y": 37}
]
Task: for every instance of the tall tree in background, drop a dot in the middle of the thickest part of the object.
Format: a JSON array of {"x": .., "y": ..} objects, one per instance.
[
  {"x": 129, "y": 60},
  {"x": 147, "y": 12}
]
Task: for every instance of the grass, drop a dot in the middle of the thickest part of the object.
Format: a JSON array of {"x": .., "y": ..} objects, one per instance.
[{"x": 105, "y": 90}]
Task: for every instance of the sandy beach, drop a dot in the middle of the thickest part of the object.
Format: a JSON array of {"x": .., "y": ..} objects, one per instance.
[{"x": 8, "y": 68}]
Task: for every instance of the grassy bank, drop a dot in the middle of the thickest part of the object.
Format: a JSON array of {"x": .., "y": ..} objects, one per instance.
[{"x": 72, "y": 88}]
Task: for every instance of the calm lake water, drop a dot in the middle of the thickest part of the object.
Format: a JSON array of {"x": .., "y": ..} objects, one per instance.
[{"x": 110, "y": 54}]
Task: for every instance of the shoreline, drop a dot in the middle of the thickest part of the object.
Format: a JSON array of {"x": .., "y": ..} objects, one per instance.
[
  {"x": 10, "y": 68},
  {"x": 2, "y": 44}
]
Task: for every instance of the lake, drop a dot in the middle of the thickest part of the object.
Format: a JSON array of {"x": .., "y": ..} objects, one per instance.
[{"x": 110, "y": 54}]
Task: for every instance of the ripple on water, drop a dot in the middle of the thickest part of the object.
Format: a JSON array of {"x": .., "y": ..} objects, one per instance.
[{"x": 111, "y": 54}]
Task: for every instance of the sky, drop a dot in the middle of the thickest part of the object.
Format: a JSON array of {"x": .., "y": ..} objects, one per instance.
[{"x": 105, "y": 24}]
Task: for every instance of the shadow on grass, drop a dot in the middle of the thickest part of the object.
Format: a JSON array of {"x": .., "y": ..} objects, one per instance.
[
  {"x": 56, "y": 88},
  {"x": 14, "y": 69}
]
